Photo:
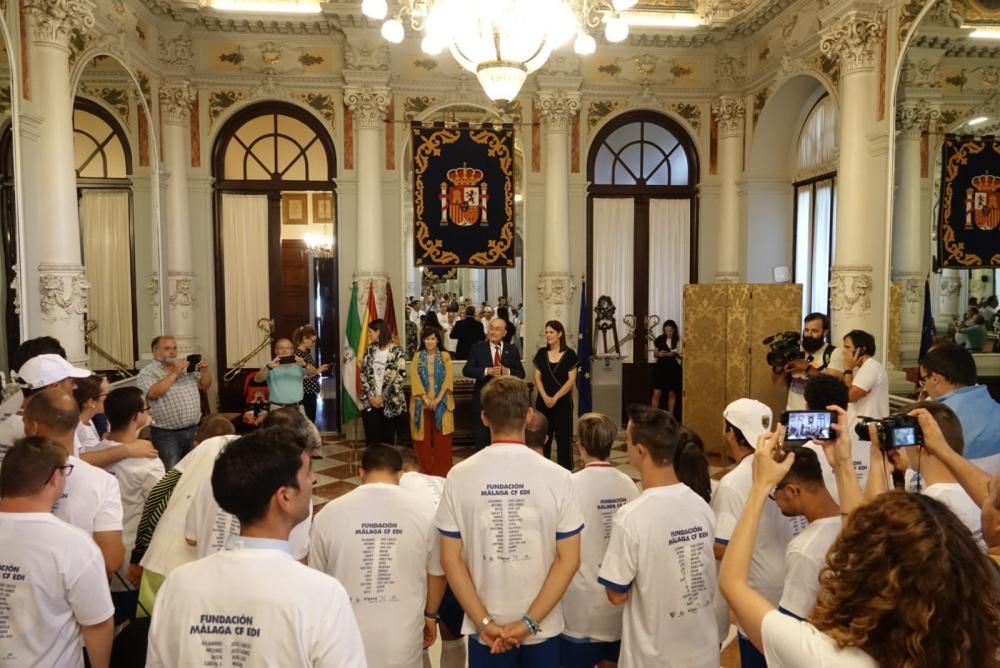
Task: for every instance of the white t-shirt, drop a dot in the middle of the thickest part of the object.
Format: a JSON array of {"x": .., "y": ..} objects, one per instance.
[
  {"x": 796, "y": 389},
  {"x": 379, "y": 542},
  {"x": 253, "y": 606},
  {"x": 210, "y": 526},
  {"x": 600, "y": 490},
  {"x": 86, "y": 437},
  {"x": 871, "y": 376},
  {"x": 661, "y": 552},
  {"x": 52, "y": 581},
  {"x": 509, "y": 507},
  {"x": 789, "y": 643},
  {"x": 91, "y": 500},
  {"x": 136, "y": 477},
  {"x": 381, "y": 359},
  {"x": 167, "y": 548},
  {"x": 804, "y": 559},
  {"x": 775, "y": 531},
  {"x": 430, "y": 487},
  {"x": 959, "y": 502}
]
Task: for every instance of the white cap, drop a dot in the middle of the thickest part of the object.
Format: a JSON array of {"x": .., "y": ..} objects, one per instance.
[
  {"x": 43, "y": 370},
  {"x": 751, "y": 417}
]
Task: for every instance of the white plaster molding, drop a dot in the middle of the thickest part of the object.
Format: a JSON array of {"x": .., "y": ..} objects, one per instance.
[
  {"x": 850, "y": 289},
  {"x": 727, "y": 277},
  {"x": 15, "y": 288},
  {"x": 30, "y": 126},
  {"x": 729, "y": 112},
  {"x": 52, "y": 21},
  {"x": 363, "y": 55},
  {"x": 177, "y": 51},
  {"x": 271, "y": 89},
  {"x": 950, "y": 286},
  {"x": 912, "y": 283},
  {"x": 176, "y": 100},
  {"x": 853, "y": 39},
  {"x": 153, "y": 287},
  {"x": 369, "y": 105},
  {"x": 556, "y": 288},
  {"x": 730, "y": 71},
  {"x": 557, "y": 108},
  {"x": 63, "y": 291},
  {"x": 913, "y": 118},
  {"x": 182, "y": 289}
]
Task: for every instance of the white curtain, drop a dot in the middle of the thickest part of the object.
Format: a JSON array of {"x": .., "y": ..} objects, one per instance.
[
  {"x": 803, "y": 245},
  {"x": 613, "y": 260},
  {"x": 247, "y": 289},
  {"x": 669, "y": 259},
  {"x": 822, "y": 248},
  {"x": 107, "y": 252}
]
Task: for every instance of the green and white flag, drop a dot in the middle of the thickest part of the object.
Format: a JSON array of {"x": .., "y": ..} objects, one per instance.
[{"x": 352, "y": 369}]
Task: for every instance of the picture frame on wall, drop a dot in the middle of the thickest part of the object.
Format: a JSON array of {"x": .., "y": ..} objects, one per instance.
[
  {"x": 322, "y": 207},
  {"x": 294, "y": 209}
]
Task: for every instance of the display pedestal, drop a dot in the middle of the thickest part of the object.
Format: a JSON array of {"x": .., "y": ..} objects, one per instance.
[{"x": 606, "y": 386}]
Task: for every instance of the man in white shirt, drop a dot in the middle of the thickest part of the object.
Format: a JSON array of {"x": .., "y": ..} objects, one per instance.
[
  {"x": 822, "y": 392},
  {"x": 54, "y": 597},
  {"x": 379, "y": 541},
  {"x": 91, "y": 499},
  {"x": 933, "y": 477},
  {"x": 252, "y": 603},
  {"x": 865, "y": 376},
  {"x": 746, "y": 420},
  {"x": 510, "y": 538},
  {"x": 659, "y": 562},
  {"x": 803, "y": 492},
  {"x": 593, "y": 624}
]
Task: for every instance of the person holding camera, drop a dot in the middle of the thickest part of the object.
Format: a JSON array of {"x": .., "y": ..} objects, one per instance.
[
  {"x": 172, "y": 388},
  {"x": 907, "y": 549},
  {"x": 284, "y": 376},
  {"x": 865, "y": 377},
  {"x": 819, "y": 356}
]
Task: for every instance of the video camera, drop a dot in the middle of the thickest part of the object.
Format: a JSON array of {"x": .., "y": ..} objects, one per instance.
[
  {"x": 784, "y": 348},
  {"x": 895, "y": 431}
]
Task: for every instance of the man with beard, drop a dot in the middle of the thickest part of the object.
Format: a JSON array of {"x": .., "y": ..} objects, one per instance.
[{"x": 821, "y": 357}]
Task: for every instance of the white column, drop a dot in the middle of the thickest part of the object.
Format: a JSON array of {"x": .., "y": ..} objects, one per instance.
[
  {"x": 950, "y": 306},
  {"x": 556, "y": 286},
  {"x": 369, "y": 104},
  {"x": 911, "y": 233},
  {"x": 853, "y": 287},
  {"x": 56, "y": 300},
  {"x": 729, "y": 113},
  {"x": 176, "y": 99}
]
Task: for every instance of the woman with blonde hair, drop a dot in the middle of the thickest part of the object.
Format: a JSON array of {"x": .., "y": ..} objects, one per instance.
[{"x": 432, "y": 406}]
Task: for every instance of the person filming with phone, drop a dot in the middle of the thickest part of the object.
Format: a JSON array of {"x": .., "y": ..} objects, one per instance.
[
  {"x": 285, "y": 375},
  {"x": 172, "y": 388}
]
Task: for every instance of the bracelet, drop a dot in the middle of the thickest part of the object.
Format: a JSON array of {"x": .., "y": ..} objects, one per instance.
[
  {"x": 533, "y": 627},
  {"x": 432, "y": 615}
]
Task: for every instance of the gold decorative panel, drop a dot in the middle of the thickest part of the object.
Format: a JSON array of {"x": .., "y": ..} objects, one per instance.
[
  {"x": 774, "y": 308},
  {"x": 705, "y": 361},
  {"x": 892, "y": 350}
]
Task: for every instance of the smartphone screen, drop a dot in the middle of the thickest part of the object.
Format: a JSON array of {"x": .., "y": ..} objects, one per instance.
[
  {"x": 287, "y": 359},
  {"x": 808, "y": 425},
  {"x": 193, "y": 361}
]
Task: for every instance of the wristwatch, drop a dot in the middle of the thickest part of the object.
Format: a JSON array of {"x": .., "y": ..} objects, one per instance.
[{"x": 484, "y": 622}]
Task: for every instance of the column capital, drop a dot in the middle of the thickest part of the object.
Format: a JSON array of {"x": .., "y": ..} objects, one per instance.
[
  {"x": 557, "y": 108},
  {"x": 851, "y": 289},
  {"x": 52, "y": 21},
  {"x": 729, "y": 112},
  {"x": 63, "y": 291},
  {"x": 912, "y": 118},
  {"x": 912, "y": 283},
  {"x": 176, "y": 100},
  {"x": 368, "y": 103},
  {"x": 555, "y": 292},
  {"x": 853, "y": 39}
]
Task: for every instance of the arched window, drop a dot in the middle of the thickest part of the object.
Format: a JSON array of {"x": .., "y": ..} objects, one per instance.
[
  {"x": 816, "y": 204},
  {"x": 641, "y": 153},
  {"x": 99, "y": 143}
]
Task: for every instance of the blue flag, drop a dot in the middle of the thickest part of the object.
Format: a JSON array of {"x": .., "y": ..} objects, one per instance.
[
  {"x": 586, "y": 403},
  {"x": 927, "y": 333}
]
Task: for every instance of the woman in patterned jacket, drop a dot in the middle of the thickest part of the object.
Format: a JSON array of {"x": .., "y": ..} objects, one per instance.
[{"x": 383, "y": 371}]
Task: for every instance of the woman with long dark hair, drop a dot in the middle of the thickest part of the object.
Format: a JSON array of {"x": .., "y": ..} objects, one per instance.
[
  {"x": 555, "y": 375},
  {"x": 432, "y": 406},
  {"x": 383, "y": 371},
  {"x": 667, "y": 373}
]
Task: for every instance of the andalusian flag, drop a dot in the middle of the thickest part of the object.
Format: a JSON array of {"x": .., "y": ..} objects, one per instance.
[{"x": 352, "y": 364}]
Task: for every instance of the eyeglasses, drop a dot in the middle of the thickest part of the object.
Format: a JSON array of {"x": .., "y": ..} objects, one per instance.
[
  {"x": 65, "y": 468},
  {"x": 777, "y": 489},
  {"x": 921, "y": 379}
]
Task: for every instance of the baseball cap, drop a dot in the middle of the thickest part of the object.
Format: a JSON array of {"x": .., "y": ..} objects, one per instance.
[
  {"x": 43, "y": 370},
  {"x": 751, "y": 417}
]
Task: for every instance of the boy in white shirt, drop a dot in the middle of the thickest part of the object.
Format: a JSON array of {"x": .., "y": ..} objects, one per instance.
[
  {"x": 660, "y": 561},
  {"x": 803, "y": 492},
  {"x": 510, "y": 538},
  {"x": 91, "y": 499},
  {"x": 252, "y": 603},
  {"x": 379, "y": 542},
  {"x": 593, "y": 624},
  {"x": 54, "y": 596}
]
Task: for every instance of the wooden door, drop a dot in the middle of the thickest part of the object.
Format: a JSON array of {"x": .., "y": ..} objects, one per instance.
[{"x": 293, "y": 293}]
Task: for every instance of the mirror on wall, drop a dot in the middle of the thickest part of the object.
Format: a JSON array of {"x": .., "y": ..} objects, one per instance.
[
  {"x": 949, "y": 84},
  {"x": 118, "y": 197},
  {"x": 449, "y": 291}
]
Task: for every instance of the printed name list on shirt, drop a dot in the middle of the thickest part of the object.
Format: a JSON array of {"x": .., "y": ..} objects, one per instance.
[
  {"x": 689, "y": 558},
  {"x": 378, "y": 542},
  {"x": 506, "y": 524},
  {"x": 9, "y": 574},
  {"x": 238, "y": 626}
]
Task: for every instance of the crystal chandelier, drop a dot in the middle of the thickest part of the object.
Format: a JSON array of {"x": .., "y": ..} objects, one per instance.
[{"x": 503, "y": 41}]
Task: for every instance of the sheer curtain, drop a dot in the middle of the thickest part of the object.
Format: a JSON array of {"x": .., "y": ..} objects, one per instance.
[
  {"x": 803, "y": 244},
  {"x": 107, "y": 252},
  {"x": 822, "y": 230},
  {"x": 247, "y": 289},
  {"x": 669, "y": 258},
  {"x": 614, "y": 263}
]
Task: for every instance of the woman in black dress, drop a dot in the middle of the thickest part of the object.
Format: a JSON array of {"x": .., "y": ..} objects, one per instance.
[
  {"x": 555, "y": 375},
  {"x": 667, "y": 374}
]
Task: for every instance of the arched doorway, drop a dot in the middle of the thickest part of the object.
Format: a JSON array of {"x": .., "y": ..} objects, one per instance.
[
  {"x": 642, "y": 230},
  {"x": 275, "y": 233}
]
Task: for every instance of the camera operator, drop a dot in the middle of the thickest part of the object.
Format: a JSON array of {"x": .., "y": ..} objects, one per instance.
[
  {"x": 820, "y": 356},
  {"x": 935, "y": 480},
  {"x": 866, "y": 379}
]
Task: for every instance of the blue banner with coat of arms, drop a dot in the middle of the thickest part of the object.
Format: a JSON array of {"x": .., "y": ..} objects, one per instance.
[
  {"x": 463, "y": 195},
  {"x": 969, "y": 226}
]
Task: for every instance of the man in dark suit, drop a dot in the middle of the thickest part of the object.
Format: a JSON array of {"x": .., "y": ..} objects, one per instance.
[
  {"x": 488, "y": 360},
  {"x": 467, "y": 331}
]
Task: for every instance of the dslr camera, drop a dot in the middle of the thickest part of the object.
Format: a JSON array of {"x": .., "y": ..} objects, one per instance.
[
  {"x": 784, "y": 348},
  {"x": 895, "y": 431}
]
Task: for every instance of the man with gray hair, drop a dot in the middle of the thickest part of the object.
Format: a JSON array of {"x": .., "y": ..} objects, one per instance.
[{"x": 488, "y": 360}]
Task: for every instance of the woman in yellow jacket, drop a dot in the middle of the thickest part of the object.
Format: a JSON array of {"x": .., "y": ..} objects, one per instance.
[{"x": 432, "y": 404}]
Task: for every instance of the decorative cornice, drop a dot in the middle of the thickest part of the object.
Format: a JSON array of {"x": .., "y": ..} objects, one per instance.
[
  {"x": 52, "y": 21},
  {"x": 853, "y": 40},
  {"x": 63, "y": 291},
  {"x": 176, "y": 99},
  {"x": 912, "y": 118},
  {"x": 177, "y": 52},
  {"x": 369, "y": 105},
  {"x": 556, "y": 288},
  {"x": 729, "y": 114},
  {"x": 363, "y": 55},
  {"x": 850, "y": 289},
  {"x": 557, "y": 108}
]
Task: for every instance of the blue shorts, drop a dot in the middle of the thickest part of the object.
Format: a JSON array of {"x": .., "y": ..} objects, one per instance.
[
  {"x": 451, "y": 613},
  {"x": 578, "y": 653},
  {"x": 540, "y": 655}
]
